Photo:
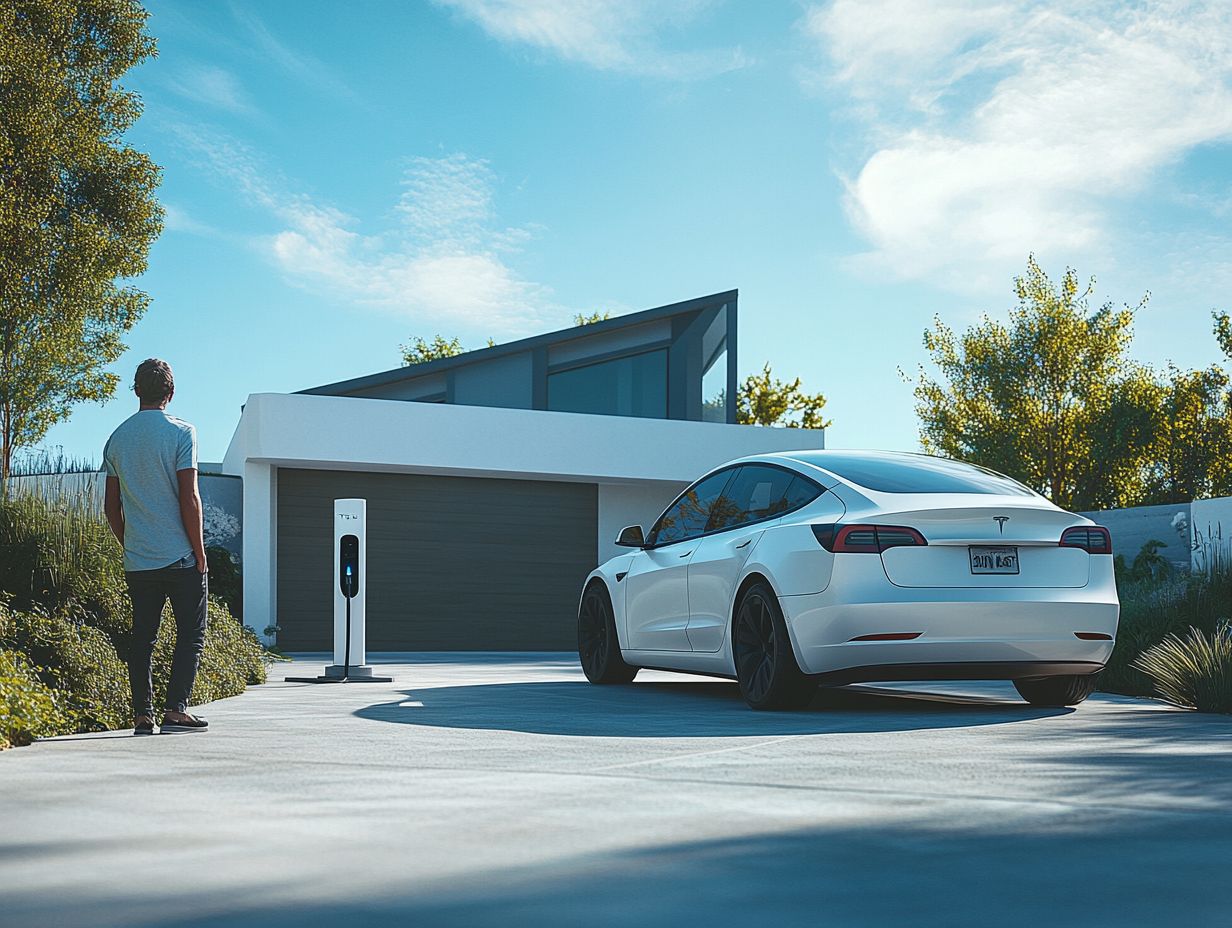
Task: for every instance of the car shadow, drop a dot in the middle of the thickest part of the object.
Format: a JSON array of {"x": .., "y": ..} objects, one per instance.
[{"x": 687, "y": 709}]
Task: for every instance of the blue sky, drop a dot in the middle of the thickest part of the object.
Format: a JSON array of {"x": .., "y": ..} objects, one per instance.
[{"x": 341, "y": 177}]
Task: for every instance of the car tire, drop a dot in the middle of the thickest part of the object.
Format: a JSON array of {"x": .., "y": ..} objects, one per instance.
[
  {"x": 766, "y": 667},
  {"x": 598, "y": 646},
  {"x": 1056, "y": 692}
]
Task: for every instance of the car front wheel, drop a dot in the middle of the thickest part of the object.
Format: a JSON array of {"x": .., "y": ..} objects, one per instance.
[
  {"x": 598, "y": 646},
  {"x": 766, "y": 667},
  {"x": 1056, "y": 691}
]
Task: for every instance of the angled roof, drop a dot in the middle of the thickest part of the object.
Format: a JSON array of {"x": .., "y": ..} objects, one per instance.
[{"x": 549, "y": 339}]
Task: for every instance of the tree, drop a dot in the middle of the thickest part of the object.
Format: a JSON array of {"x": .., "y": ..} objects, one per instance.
[
  {"x": 77, "y": 207},
  {"x": 1194, "y": 449},
  {"x": 1051, "y": 398},
  {"x": 1223, "y": 333},
  {"x": 420, "y": 351},
  {"x": 763, "y": 399},
  {"x": 590, "y": 318}
]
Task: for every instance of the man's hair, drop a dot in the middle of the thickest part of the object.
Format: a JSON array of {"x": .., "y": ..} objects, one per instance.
[{"x": 153, "y": 381}]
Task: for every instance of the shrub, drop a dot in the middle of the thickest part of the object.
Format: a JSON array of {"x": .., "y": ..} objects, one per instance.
[
  {"x": 226, "y": 578},
  {"x": 233, "y": 658},
  {"x": 59, "y": 554},
  {"x": 79, "y": 663},
  {"x": 27, "y": 707},
  {"x": 65, "y": 607},
  {"x": 1195, "y": 671},
  {"x": 1151, "y": 610}
]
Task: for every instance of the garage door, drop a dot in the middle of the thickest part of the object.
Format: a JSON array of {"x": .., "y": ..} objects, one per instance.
[{"x": 454, "y": 563}]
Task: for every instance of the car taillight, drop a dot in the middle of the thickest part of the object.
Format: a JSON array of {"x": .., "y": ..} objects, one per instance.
[
  {"x": 865, "y": 539},
  {"x": 1093, "y": 539}
]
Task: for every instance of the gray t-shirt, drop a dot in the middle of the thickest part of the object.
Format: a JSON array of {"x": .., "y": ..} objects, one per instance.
[{"x": 144, "y": 453}]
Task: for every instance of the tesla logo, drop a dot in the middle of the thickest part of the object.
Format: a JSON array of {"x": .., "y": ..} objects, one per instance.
[{"x": 1001, "y": 520}]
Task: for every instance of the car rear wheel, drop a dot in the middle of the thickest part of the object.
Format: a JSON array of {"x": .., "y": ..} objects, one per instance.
[
  {"x": 766, "y": 667},
  {"x": 1056, "y": 691},
  {"x": 598, "y": 647}
]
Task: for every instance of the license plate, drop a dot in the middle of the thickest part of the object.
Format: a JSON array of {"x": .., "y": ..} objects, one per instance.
[{"x": 994, "y": 560}]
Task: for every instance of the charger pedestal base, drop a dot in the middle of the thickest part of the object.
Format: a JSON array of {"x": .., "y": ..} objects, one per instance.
[{"x": 334, "y": 673}]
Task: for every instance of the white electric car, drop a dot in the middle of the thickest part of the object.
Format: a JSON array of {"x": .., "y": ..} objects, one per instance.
[{"x": 790, "y": 570}]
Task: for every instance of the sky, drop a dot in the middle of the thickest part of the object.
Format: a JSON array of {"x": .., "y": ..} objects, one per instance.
[{"x": 340, "y": 178}]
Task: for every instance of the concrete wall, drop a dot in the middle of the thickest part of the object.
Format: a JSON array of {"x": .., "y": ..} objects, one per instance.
[
  {"x": 1211, "y": 533},
  {"x": 622, "y": 504},
  {"x": 1134, "y": 527}
]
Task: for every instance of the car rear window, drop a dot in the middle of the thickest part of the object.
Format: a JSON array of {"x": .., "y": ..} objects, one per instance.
[{"x": 913, "y": 473}]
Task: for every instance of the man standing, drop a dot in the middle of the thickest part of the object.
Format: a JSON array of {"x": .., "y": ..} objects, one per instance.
[{"x": 154, "y": 508}]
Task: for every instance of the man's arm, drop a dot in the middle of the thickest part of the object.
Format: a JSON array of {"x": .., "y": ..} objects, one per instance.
[
  {"x": 114, "y": 509},
  {"x": 190, "y": 514}
]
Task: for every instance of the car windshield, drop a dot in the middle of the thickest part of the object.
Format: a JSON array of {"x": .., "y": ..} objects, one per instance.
[{"x": 885, "y": 472}]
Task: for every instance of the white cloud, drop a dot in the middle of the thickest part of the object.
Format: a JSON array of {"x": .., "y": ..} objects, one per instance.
[
  {"x": 211, "y": 86},
  {"x": 305, "y": 68},
  {"x": 444, "y": 261},
  {"x": 611, "y": 35},
  {"x": 1004, "y": 128},
  {"x": 177, "y": 219}
]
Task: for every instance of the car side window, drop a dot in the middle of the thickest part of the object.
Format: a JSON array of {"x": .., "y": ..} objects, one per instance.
[
  {"x": 688, "y": 516},
  {"x": 760, "y": 492}
]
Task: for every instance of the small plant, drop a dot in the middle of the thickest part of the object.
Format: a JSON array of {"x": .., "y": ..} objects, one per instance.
[{"x": 1195, "y": 671}]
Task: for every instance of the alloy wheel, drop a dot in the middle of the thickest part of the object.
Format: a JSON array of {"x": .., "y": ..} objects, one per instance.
[
  {"x": 755, "y": 646},
  {"x": 593, "y": 640}
]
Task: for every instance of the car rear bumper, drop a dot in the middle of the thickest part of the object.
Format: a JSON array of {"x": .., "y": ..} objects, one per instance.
[
  {"x": 951, "y": 634},
  {"x": 964, "y": 670}
]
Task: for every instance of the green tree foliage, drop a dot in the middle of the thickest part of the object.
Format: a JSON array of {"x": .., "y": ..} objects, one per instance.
[
  {"x": 420, "y": 351},
  {"x": 1223, "y": 333},
  {"x": 590, "y": 318},
  {"x": 1051, "y": 398},
  {"x": 763, "y": 399},
  {"x": 77, "y": 207},
  {"x": 1192, "y": 456}
]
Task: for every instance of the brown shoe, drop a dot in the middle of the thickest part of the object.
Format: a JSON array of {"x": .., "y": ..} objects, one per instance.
[
  {"x": 143, "y": 725},
  {"x": 184, "y": 722}
]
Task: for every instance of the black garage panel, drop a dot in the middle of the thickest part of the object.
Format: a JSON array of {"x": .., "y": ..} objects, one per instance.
[{"x": 454, "y": 563}]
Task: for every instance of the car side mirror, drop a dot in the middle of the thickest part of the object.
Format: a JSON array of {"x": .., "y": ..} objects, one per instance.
[{"x": 631, "y": 537}]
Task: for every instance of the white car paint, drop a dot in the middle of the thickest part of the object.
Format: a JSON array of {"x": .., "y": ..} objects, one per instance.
[{"x": 676, "y": 613}]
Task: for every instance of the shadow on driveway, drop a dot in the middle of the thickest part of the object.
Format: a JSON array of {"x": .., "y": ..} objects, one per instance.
[{"x": 686, "y": 710}]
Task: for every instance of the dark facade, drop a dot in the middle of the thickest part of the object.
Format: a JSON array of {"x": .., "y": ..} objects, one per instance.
[{"x": 671, "y": 362}]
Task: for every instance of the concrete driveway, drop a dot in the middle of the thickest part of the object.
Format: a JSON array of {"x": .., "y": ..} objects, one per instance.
[{"x": 504, "y": 790}]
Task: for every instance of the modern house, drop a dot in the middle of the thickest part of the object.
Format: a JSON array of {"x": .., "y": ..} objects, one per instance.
[{"x": 496, "y": 479}]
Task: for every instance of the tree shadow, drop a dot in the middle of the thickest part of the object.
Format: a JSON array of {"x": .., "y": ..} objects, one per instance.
[
  {"x": 691, "y": 709},
  {"x": 1010, "y": 873}
]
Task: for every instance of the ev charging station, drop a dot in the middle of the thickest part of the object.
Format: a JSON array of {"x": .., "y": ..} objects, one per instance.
[{"x": 349, "y": 598}]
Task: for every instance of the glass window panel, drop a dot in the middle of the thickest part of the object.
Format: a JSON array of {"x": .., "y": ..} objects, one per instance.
[
  {"x": 913, "y": 473},
  {"x": 632, "y": 386},
  {"x": 714, "y": 387},
  {"x": 688, "y": 516},
  {"x": 757, "y": 493}
]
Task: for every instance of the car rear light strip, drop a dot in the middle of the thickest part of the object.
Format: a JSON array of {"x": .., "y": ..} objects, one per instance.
[
  {"x": 866, "y": 539},
  {"x": 1093, "y": 539}
]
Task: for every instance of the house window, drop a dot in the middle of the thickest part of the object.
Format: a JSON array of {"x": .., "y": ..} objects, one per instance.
[
  {"x": 631, "y": 386},
  {"x": 714, "y": 386}
]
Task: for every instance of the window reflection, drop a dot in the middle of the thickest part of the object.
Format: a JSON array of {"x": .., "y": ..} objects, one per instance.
[
  {"x": 632, "y": 386},
  {"x": 688, "y": 516}
]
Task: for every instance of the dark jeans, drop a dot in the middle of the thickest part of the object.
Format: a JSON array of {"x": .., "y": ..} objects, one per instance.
[{"x": 149, "y": 590}]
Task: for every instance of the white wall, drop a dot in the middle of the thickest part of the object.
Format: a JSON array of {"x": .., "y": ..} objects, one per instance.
[
  {"x": 1210, "y": 532},
  {"x": 622, "y": 504},
  {"x": 639, "y": 464}
]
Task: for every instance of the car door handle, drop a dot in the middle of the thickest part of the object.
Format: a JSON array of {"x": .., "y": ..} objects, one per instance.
[
  {"x": 744, "y": 544},
  {"x": 686, "y": 554}
]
